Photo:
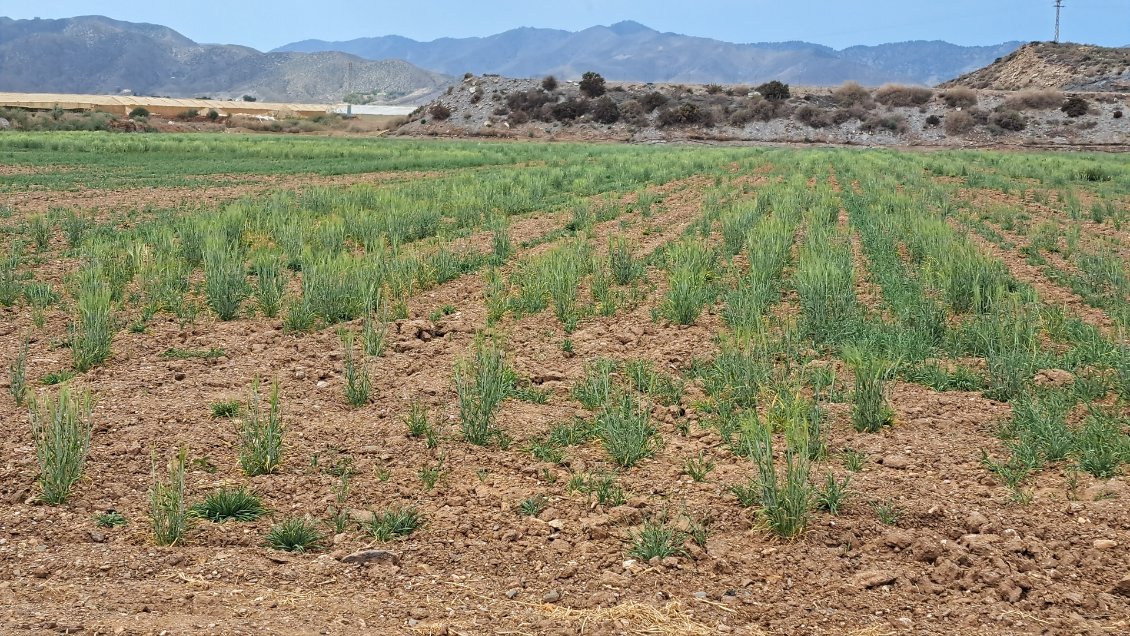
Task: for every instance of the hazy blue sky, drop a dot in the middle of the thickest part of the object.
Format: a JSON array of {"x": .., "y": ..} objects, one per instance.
[{"x": 265, "y": 24}]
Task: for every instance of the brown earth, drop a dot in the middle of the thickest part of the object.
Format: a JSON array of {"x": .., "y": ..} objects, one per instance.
[{"x": 962, "y": 557}]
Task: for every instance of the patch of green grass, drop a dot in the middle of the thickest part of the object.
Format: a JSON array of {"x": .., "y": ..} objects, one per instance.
[
  {"x": 697, "y": 467},
  {"x": 887, "y": 511},
  {"x": 239, "y": 504},
  {"x": 109, "y": 519},
  {"x": 226, "y": 409},
  {"x": 657, "y": 539},
  {"x": 854, "y": 460},
  {"x": 626, "y": 431},
  {"x": 419, "y": 426},
  {"x": 832, "y": 495},
  {"x": 261, "y": 438},
  {"x": 396, "y": 522},
  {"x": 295, "y": 535},
  {"x": 482, "y": 382},
  {"x": 532, "y": 506}
]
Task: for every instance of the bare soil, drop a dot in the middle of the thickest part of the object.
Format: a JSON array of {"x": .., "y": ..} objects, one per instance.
[{"x": 962, "y": 558}]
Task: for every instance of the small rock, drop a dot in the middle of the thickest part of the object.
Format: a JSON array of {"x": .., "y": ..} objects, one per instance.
[
  {"x": 300, "y": 374},
  {"x": 551, "y": 596},
  {"x": 178, "y": 376},
  {"x": 1122, "y": 587},
  {"x": 512, "y": 592},
  {"x": 1054, "y": 377},
  {"x": 322, "y": 384},
  {"x": 361, "y": 516},
  {"x": 556, "y": 524},
  {"x": 97, "y": 536},
  {"x": 975, "y": 523},
  {"x": 1105, "y": 544},
  {"x": 700, "y": 595},
  {"x": 898, "y": 462},
  {"x": 366, "y": 557},
  {"x": 898, "y": 539},
  {"x": 874, "y": 578}
]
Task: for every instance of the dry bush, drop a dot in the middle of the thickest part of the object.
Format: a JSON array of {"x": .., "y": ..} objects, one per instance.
[
  {"x": 893, "y": 123},
  {"x": 685, "y": 114},
  {"x": 631, "y": 112},
  {"x": 1075, "y": 107},
  {"x": 1008, "y": 120},
  {"x": 959, "y": 123},
  {"x": 903, "y": 96},
  {"x": 518, "y": 117},
  {"x": 960, "y": 97},
  {"x": 439, "y": 112},
  {"x": 852, "y": 94},
  {"x": 653, "y": 100},
  {"x": 605, "y": 111},
  {"x": 813, "y": 117},
  {"x": 1034, "y": 99}
]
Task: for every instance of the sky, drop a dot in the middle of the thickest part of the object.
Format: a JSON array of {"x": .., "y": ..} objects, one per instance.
[{"x": 836, "y": 23}]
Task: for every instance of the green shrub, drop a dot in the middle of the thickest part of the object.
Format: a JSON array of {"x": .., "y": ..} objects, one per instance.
[
  {"x": 774, "y": 90},
  {"x": 139, "y": 112},
  {"x": 397, "y": 522},
  {"x": 594, "y": 391},
  {"x": 61, "y": 430},
  {"x": 657, "y": 539},
  {"x": 784, "y": 498},
  {"x": 592, "y": 84}
]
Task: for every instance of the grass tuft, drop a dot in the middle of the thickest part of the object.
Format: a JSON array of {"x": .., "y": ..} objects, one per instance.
[
  {"x": 224, "y": 504},
  {"x": 61, "y": 430}
]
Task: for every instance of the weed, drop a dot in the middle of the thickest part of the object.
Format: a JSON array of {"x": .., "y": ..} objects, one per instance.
[
  {"x": 340, "y": 514},
  {"x": 61, "y": 430},
  {"x": 690, "y": 287},
  {"x": 887, "y": 512},
  {"x": 624, "y": 268},
  {"x": 109, "y": 519},
  {"x": 397, "y": 522},
  {"x": 1101, "y": 446},
  {"x": 168, "y": 516},
  {"x": 295, "y": 535},
  {"x": 532, "y": 506},
  {"x": 239, "y": 504},
  {"x": 832, "y": 495},
  {"x": 567, "y": 346},
  {"x": 697, "y": 467},
  {"x": 299, "y": 316},
  {"x": 430, "y": 475},
  {"x": 595, "y": 390},
  {"x": 854, "y": 460},
  {"x": 40, "y": 228},
  {"x": 626, "y": 431},
  {"x": 657, "y": 539},
  {"x": 226, "y": 409},
  {"x": 262, "y": 433},
  {"x": 193, "y": 354},
  {"x": 419, "y": 426}
]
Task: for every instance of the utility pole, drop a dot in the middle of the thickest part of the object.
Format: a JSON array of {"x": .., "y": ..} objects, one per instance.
[{"x": 1058, "y": 7}]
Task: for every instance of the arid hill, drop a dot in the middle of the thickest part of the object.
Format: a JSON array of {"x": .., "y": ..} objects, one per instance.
[{"x": 1072, "y": 67}]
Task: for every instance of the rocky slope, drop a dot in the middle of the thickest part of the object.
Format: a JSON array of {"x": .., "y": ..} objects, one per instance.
[
  {"x": 850, "y": 114},
  {"x": 1060, "y": 66},
  {"x": 93, "y": 54}
]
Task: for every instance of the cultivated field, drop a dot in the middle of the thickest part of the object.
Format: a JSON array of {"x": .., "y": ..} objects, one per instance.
[{"x": 264, "y": 385}]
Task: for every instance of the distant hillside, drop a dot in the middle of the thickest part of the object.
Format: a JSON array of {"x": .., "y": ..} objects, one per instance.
[
  {"x": 1077, "y": 67},
  {"x": 94, "y": 54},
  {"x": 630, "y": 51}
]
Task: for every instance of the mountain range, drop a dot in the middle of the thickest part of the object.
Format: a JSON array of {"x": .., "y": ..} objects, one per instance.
[
  {"x": 95, "y": 54},
  {"x": 631, "y": 51}
]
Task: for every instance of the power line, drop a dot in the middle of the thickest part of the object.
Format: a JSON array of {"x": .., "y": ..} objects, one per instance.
[{"x": 1058, "y": 7}]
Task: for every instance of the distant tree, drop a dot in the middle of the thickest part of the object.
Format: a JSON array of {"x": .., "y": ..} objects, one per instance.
[
  {"x": 248, "y": 98},
  {"x": 212, "y": 114},
  {"x": 592, "y": 84},
  {"x": 549, "y": 83},
  {"x": 140, "y": 112},
  {"x": 774, "y": 90}
]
